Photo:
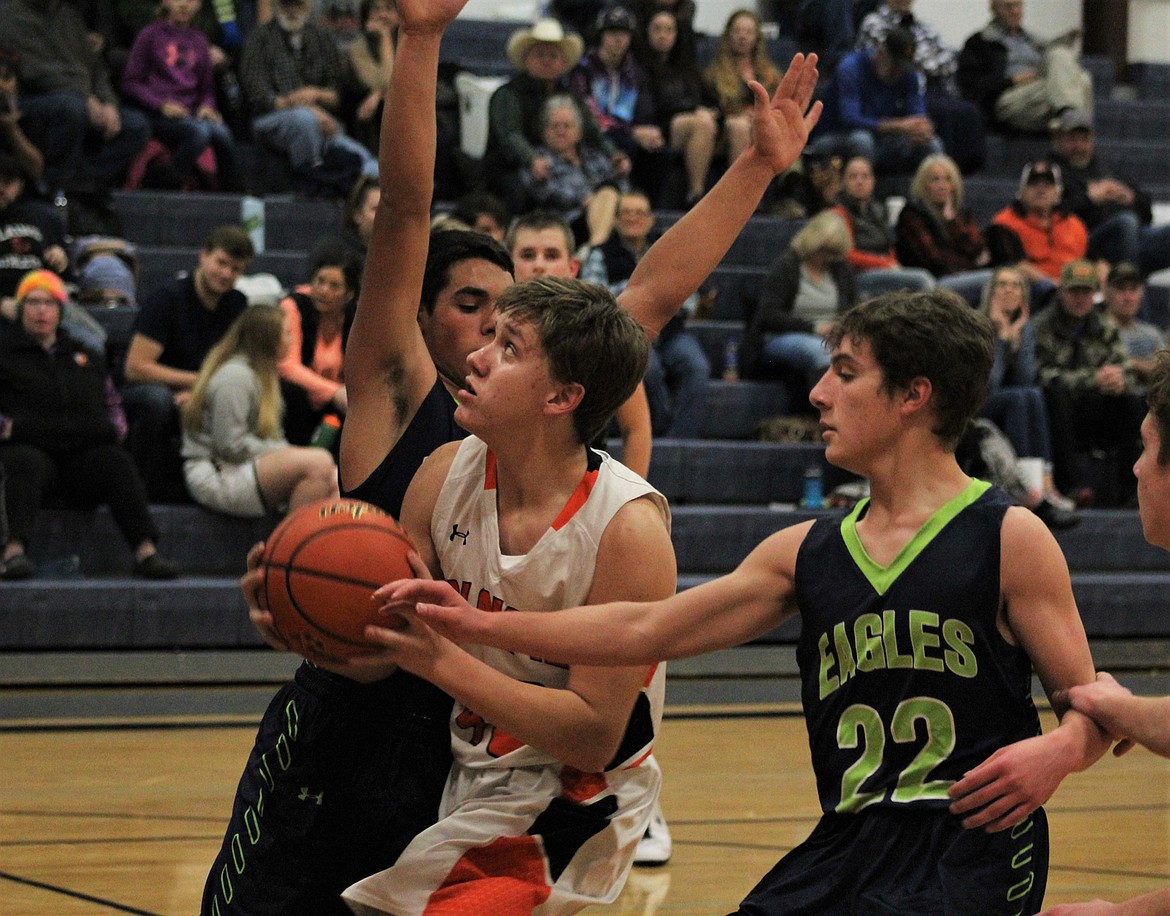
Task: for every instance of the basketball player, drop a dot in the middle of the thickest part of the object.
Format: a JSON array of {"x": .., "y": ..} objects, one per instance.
[
  {"x": 553, "y": 782},
  {"x": 1127, "y": 718},
  {"x": 923, "y": 614},
  {"x": 343, "y": 774}
]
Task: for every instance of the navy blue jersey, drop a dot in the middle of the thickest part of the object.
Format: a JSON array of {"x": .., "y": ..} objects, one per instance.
[{"x": 907, "y": 682}]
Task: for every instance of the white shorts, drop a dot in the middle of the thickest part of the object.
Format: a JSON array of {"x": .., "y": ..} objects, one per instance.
[
  {"x": 233, "y": 489},
  {"x": 530, "y": 840}
]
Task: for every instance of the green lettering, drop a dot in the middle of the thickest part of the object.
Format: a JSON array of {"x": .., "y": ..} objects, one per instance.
[
  {"x": 237, "y": 854},
  {"x": 894, "y": 658},
  {"x": 293, "y": 718},
  {"x": 1021, "y": 888},
  {"x": 1023, "y": 857},
  {"x": 252, "y": 822},
  {"x": 959, "y": 655},
  {"x": 844, "y": 653},
  {"x": 265, "y": 771},
  {"x": 225, "y": 885},
  {"x": 260, "y": 802},
  {"x": 828, "y": 682},
  {"x": 283, "y": 752},
  {"x": 867, "y": 637},
  {"x": 922, "y": 637}
]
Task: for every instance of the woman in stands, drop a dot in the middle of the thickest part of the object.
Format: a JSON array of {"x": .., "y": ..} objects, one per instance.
[
  {"x": 740, "y": 56},
  {"x": 235, "y": 457},
  {"x": 865, "y": 216},
  {"x": 808, "y": 286},
  {"x": 936, "y": 233},
  {"x": 318, "y": 316},
  {"x": 61, "y": 423},
  {"x": 686, "y": 108}
]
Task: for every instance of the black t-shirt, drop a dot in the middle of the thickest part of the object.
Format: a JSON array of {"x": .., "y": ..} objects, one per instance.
[{"x": 173, "y": 316}]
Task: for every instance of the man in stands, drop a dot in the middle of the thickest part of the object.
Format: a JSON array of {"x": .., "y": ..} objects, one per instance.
[
  {"x": 1020, "y": 81},
  {"x": 1034, "y": 230},
  {"x": 179, "y": 322}
]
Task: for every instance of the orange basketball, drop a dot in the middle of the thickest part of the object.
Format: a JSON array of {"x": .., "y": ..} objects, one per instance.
[{"x": 320, "y": 567}]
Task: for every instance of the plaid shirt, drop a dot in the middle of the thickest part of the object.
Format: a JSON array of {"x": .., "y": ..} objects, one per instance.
[
  {"x": 938, "y": 63},
  {"x": 270, "y": 67}
]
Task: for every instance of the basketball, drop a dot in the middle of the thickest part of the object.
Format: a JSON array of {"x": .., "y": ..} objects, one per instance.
[{"x": 320, "y": 567}]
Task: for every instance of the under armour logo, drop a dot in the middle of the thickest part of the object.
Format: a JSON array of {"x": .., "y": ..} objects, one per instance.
[
  {"x": 456, "y": 533},
  {"x": 305, "y": 795}
]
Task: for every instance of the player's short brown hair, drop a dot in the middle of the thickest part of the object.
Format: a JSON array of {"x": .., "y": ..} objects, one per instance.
[{"x": 1158, "y": 400}]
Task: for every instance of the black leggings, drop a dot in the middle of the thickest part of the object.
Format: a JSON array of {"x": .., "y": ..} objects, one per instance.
[{"x": 93, "y": 476}]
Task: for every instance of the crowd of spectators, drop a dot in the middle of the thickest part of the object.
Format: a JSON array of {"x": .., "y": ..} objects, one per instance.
[{"x": 610, "y": 114}]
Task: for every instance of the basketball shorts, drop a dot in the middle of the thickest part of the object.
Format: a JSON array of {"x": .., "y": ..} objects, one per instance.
[
  {"x": 539, "y": 840},
  {"x": 341, "y": 778},
  {"x": 911, "y": 863}
]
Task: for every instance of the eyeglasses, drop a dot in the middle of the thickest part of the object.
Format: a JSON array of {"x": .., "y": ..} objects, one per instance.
[{"x": 43, "y": 302}]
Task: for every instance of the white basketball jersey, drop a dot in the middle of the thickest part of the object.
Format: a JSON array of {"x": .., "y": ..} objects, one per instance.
[{"x": 556, "y": 573}]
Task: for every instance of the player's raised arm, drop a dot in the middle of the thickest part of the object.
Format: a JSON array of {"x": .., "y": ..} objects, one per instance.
[
  {"x": 1041, "y": 615},
  {"x": 388, "y": 370},
  {"x": 683, "y": 258},
  {"x": 716, "y": 615}
]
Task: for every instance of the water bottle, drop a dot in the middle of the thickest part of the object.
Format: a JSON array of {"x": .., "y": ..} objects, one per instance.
[
  {"x": 814, "y": 494},
  {"x": 252, "y": 219},
  {"x": 61, "y": 202},
  {"x": 731, "y": 360},
  {"x": 326, "y": 432}
]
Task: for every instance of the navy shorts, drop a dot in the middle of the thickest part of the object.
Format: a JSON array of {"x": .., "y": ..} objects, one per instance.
[
  {"x": 341, "y": 778},
  {"x": 911, "y": 863}
]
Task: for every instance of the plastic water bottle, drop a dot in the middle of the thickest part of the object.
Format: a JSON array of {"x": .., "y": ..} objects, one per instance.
[
  {"x": 326, "y": 432},
  {"x": 731, "y": 360},
  {"x": 814, "y": 494},
  {"x": 252, "y": 219}
]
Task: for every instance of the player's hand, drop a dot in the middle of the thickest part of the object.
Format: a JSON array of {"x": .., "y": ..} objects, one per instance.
[
  {"x": 1008, "y": 786},
  {"x": 423, "y": 16},
  {"x": 438, "y": 604},
  {"x": 250, "y": 584},
  {"x": 1098, "y": 701},
  {"x": 780, "y": 125}
]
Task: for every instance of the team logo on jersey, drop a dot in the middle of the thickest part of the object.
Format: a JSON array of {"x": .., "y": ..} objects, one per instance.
[{"x": 456, "y": 533}]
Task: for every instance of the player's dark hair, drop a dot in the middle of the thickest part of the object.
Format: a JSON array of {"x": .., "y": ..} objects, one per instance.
[
  {"x": 935, "y": 335},
  {"x": 1158, "y": 400},
  {"x": 452, "y": 246},
  {"x": 587, "y": 338}
]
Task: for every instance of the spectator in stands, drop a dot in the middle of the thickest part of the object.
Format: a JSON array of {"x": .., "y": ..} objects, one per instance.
[
  {"x": 235, "y": 457},
  {"x": 1020, "y": 81},
  {"x": 822, "y": 27},
  {"x": 540, "y": 245},
  {"x": 14, "y": 141},
  {"x": 959, "y": 123},
  {"x": 1090, "y": 392},
  {"x": 807, "y": 287},
  {"x": 543, "y": 55},
  {"x": 1113, "y": 208},
  {"x": 685, "y": 106},
  {"x": 872, "y": 252},
  {"x": 482, "y": 211},
  {"x": 1015, "y": 400},
  {"x": 740, "y": 56},
  {"x": 170, "y": 76},
  {"x": 60, "y": 426},
  {"x": 615, "y": 87},
  {"x": 177, "y": 325},
  {"x": 69, "y": 108},
  {"x": 684, "y": 19},
  {"x": 317, "y": 318},
  {"x": 678, "y": 370},
  {"x": 935, "y": 232},
  {"x": 1034, "y": 231},
  {"x": 876, "y": 108},
  {"x": 355, "y": 227},
  {"x": 291, "y": 72},
  {"x": 1123, "y": 301},
  {"x": 371, "y": 64},
  {"x": 581, "y": 182},
  {"x": 31, "y": 234}
]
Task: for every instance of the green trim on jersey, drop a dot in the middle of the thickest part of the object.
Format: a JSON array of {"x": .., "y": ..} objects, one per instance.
[{"x": 882, "y": 577}]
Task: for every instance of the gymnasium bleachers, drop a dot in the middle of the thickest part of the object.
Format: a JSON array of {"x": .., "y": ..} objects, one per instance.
[{"x": 728, "y": 492}]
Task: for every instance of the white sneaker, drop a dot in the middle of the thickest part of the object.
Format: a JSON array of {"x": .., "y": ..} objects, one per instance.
[{"x": 654, "y": 847}]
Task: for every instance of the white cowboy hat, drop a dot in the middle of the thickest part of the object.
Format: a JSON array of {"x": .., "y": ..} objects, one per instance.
[{"x": 545, "y": 31}]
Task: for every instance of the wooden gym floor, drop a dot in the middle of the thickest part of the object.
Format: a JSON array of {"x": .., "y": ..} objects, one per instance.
[{"x": 109, "y": 817}]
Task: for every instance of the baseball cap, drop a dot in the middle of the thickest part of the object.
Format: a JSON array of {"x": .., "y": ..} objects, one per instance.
[
  {"x": 1078, "y": 275},
  {"x": 616, "y": 18},
  {"x": 1074, "y": 119},
  {"x": 1040, "y": 170},
  {"x": 1124, "y": 274}
]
